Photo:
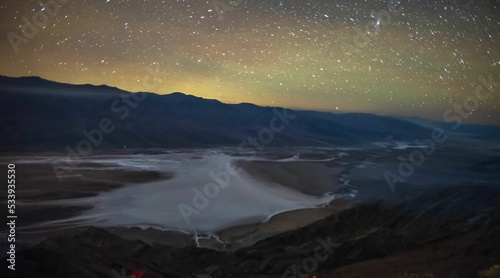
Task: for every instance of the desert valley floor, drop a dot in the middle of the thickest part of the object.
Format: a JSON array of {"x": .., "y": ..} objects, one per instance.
[{"x": 226, "y": 199}]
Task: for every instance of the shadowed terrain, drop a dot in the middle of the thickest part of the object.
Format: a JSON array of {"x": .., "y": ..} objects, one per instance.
[
  {"x": 312, "y": 200},
  {"x": 441, "y": 231}
]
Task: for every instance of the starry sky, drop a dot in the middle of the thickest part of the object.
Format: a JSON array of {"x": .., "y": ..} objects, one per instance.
[{"x": 410, "y": 58}]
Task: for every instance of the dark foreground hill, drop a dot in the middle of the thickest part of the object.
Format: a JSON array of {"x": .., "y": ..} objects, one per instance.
[
  {"x": 40, "y": 114},
  {"x": 451, "y": 231}
]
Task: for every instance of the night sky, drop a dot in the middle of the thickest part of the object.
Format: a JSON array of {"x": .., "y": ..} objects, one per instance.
[{"x": 414, "y": 58}]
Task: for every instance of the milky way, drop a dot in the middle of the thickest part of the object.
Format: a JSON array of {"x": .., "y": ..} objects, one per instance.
[{"x": 415, "y": 58}]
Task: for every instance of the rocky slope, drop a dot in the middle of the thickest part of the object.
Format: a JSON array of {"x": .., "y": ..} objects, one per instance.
[{"x": 452, "y": 230}]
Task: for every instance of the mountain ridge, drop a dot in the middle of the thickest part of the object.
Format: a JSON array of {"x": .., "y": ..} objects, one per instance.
[{"x": 41, "y": 114}]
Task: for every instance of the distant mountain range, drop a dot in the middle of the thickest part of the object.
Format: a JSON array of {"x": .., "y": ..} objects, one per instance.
[
  {"x": 45, "y": 115},
  {"x": 471, "y": 130}
]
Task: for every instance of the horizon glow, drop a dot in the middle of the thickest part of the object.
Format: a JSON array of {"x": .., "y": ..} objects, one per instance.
[{"x": 385, "y": 57}]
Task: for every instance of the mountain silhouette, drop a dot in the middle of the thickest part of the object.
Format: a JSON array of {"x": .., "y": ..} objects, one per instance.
[{"x": 42, "y": 114}]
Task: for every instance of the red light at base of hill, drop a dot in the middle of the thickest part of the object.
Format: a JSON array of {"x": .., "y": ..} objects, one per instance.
[{"x": 137, "y": 274}]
